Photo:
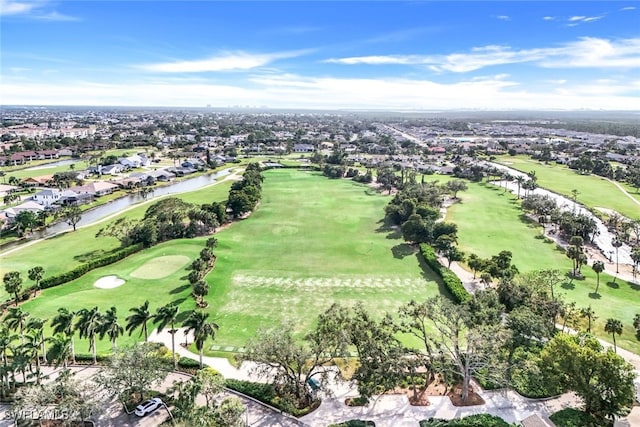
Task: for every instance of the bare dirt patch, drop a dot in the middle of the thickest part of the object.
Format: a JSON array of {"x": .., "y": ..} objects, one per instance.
[
  {"x": 108, "y": 282},
  {"x": 160, "y": 267}
]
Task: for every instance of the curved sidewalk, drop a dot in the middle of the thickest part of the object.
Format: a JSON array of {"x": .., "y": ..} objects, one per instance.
[{"x": 394, "y": 410}]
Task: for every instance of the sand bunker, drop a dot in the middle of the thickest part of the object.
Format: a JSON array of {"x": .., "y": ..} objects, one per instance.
[{"x": 108, "y": 282}]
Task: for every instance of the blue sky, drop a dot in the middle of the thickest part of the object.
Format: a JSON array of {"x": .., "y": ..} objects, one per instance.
[{"x": 393, "y": 55}]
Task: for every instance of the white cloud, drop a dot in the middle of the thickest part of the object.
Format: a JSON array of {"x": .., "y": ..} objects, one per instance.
[
  {"x": 294, "y": 91},
  {"x": 34, "y": 9},
  {"x": 577, "y": 20},
  {"x": 15, "y": 8},
  {"x": 54, "y": 16},
  {"x": 586, "y": 52},
  {"x": 231, "y": 61},
  {"x": 503, "y": 17},
  {"x": 628, "y": 8},
  {"x": 549, "y": 18}
]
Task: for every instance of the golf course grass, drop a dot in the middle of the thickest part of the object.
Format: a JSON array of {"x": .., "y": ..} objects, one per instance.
[
  {"x": 161, "y": 267},
  {"x": 594, "y": 191},
  {"x": 65, "y": 251},
  {"x": 490, "y": 221},
  {"x": 81, "y": 293},
  {"x": 312, "y": 242}
]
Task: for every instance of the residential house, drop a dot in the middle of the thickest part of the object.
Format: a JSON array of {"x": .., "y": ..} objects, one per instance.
[
  {"x": 96, "y": 188},
  {"x": 70, "y": 197},
  {"x": 47, "y": 154},
  {"x": 111, "y": 169},
  {"x": 30, "y": 205},
  {"x": 66, "y": 152},
  {"x": 47, "y": 197},
  {"x": 192, "y": 163},
  {"x": 162, "y": 175},
  {"x": 303, "y": 148},
  {"x": 42, "y": 180},
  {"x": 7, "y": 189}
]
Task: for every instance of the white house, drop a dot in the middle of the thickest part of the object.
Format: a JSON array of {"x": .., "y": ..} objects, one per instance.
[{"x": 47, "y": 197}]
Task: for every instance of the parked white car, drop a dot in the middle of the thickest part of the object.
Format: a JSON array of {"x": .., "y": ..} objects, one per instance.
[{"x": 148, "y": 406}]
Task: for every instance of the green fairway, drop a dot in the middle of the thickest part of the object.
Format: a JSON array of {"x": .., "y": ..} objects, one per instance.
[
  {"x": 490, "y": 221},
  {"x": 82, "y": 293},
  {"x": 64, "y": 252},
  {"x": 27, "y": 172},
  {"x": 312, "y": 242},
  {"x": 594, "y": 191}
]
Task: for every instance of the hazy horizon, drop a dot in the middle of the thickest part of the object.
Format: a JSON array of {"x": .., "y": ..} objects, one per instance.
[{"x": 350, "y": 56}]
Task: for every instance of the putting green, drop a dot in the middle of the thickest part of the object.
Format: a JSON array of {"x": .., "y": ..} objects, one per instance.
[{"x": 160, "y": 267}]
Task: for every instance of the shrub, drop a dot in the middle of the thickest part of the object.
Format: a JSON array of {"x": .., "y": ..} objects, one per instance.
[
  {"x": 570, "y": 417},
  {"x": 84, "y": 268},
  {"x": 185, "y": 362},
  {"x": 354, "y": 423},
  {"x": 478, "y": 420},
  {"x": 265, "y": 393},
  {"x": 451, "y": 281}
]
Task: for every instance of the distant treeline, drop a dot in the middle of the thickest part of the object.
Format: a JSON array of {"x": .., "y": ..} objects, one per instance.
[{"x": 604, "y": 128}]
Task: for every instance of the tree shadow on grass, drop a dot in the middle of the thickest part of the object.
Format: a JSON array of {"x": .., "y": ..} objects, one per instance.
[
  {"x": 634, "y": 286},
  {"x": 429, "y": 276},
  {"x": 613, "y": 285},
  {"x": 88, "y": 256},
  {"x": 386, "y": 227},
  {"x": 178, "y": 301},
  {"x": 402, "y": 250},
  {"x": 179, "y": 289},
  {"x": 594, "y": 295},
  {"x": 568, "y": 285}
]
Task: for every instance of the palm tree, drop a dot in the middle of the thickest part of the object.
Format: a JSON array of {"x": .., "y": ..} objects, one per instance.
[
  {"x": 200, "y": 290},
  {"x": 598, "y": 267},
  {"x": 31, "y": 349},
  {"x": 36, "y": 274},
  {"x": 520, "y": 180},
  {"x": 5, "y": 343},
  {"x": 88, "y": 326},
  {"x": 197, "y": 322},
  {"x": 62, "y": 323},
  {"x": 36, "y": 327},
  {"x": 16, "y": 319},
  {"x": 20, "y": 360},
  {"x": 111, "y": 327},
  {"x": 139, "y": 319},
  {"x": 590, "y": 315},
  {"x": 613, "y": 327},
  {"x": 61, "y": 349},
  {"x": 616, "y": 243},
  {"x": 168, "y": 315}
]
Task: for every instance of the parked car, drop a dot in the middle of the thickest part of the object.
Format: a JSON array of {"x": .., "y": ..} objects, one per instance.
[{"x": 148, "y": 406}]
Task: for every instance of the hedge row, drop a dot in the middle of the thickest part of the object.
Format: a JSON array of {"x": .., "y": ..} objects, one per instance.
[
  {"x": 84, "y": 268},
  {"x": 451, "y": 281}
]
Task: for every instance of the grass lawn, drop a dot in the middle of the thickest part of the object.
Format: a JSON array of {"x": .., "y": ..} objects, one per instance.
[
  {"x": 171, "y": 287},
  {"x": 312, "y": 242},
  {"x": 490, "y": 221},
  {"x": 594, "y": 191},
  {"x": 25, "y": 173},
  {"x": 65, "y": 251}
]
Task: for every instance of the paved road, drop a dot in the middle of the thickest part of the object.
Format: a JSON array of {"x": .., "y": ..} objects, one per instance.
[{"x": 112, "y": 413}]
